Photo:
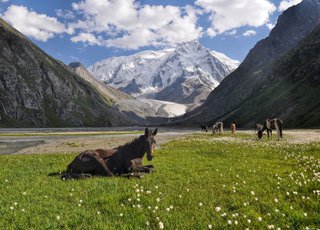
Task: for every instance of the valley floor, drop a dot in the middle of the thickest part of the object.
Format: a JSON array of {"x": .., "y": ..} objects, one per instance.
[{"x": 201, "y": 181}]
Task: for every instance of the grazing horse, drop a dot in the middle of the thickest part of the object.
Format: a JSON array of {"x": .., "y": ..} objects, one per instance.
[
  {"x": 117, "y": 161},
  {"x": 204, "y": 128},
  {"x": 217, "y": 128},
  {"x": 233, "y": 128},
  {"x": 270, "y": 124}
]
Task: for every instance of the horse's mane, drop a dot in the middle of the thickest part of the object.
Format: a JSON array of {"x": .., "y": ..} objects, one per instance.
[{"x": 134, "y": 142}]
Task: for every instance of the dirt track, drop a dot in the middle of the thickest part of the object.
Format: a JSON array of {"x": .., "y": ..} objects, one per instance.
[{"x": 76, "y": 144}]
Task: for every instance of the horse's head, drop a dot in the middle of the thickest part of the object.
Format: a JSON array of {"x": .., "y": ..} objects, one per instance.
[{"x": 150, "y": 142}]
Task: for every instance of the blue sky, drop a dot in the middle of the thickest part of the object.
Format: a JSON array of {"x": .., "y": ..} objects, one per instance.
[{"x": 92, "y": 30}]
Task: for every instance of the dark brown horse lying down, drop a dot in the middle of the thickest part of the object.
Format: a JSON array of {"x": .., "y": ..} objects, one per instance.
[{"x": 122, "y": 160}]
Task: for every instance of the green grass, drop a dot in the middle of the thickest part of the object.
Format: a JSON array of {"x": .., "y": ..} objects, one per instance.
[{"x": 243, "y": 177}]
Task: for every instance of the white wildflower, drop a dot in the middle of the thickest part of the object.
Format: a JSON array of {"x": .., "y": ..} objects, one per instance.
[{"x": 161, "y": 226}]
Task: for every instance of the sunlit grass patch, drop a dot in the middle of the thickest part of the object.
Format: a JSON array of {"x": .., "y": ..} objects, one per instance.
[{"x": 199, "y": 183}]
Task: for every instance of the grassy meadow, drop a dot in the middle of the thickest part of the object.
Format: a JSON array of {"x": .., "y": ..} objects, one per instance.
[{"x": 201, "y": 182}]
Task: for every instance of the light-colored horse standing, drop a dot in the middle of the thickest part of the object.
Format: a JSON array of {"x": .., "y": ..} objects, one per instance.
[
  {"x": 217, "y": 128},
  {"x": 270, "y": 124}
]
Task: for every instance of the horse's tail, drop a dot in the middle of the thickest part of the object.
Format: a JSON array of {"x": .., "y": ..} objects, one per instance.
[
  {"x": 55, "y": 174},
  {"x": 68, "y": 175},
  {"x": 280, "y": 125}
]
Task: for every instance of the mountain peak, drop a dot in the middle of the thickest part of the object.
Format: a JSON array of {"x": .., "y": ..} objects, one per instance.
[
  {"x": 193, "y": 45},
  {"x": 185, "y": 74}
]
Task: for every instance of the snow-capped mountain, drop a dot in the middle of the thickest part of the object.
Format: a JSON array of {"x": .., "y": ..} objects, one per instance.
[{"x": 185, "y": 74}]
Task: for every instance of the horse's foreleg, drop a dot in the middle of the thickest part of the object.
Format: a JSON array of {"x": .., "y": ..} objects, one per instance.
[
  {"x": 144, "y": 169},
  {"x": 141, "y": 168}
]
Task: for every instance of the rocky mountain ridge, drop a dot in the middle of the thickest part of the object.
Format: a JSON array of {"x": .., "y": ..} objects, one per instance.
[
  {"x": 39, "y": 91},
  {"x": 231, "y": 99}
]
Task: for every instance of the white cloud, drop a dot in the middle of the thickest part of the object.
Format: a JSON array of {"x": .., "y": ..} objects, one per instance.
[
  {"x": 4, "y": 0},
  {"x": 66, "y": 14},
  {"x": 270, "y": 26},
  {"x": 87, "y": 38},
  {"x": 231, "y": 32},
  {"x": 131, "y": 26},
  {"x": 249, "y": 33},
  {"x": 285, "y": 4},
  {"x": 30, "y": 23},
  {"x": 227, "y": 15}
]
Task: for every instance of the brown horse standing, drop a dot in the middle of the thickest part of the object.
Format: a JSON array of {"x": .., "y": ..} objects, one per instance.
[
  {"x": 233, "y": 128},
  {"x": 117, "y": 161},
  {"x": 270, "y": 124}
]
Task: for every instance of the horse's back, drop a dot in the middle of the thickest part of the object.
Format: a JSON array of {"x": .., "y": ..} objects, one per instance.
[{"x": 105, "y": 153}]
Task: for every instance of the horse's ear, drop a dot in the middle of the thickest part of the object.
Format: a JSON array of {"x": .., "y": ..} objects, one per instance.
[
  {"x": 146, "y": 132},
  {"x": 155, "y": 132}
]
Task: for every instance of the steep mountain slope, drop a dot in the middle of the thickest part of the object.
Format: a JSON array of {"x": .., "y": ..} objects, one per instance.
[
  {"x": 186, "y": 74},
  {"x": 139, "y": 111},
  {"x": 294, "y": 89},
  {"x": 39, "y": 91},
  {"x": 110, "y": 94},
  {"x": 230, "y": 100}
]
